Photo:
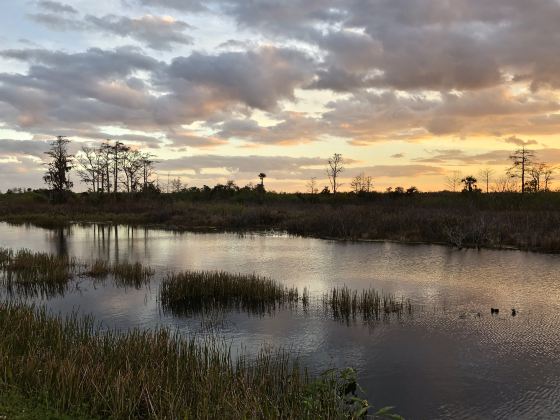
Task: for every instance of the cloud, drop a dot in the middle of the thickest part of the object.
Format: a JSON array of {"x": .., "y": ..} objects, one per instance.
[
  {"x": 184, "y": 139},
  {"x": 57, "y": 22},
  {"x": 35, "y": 148},
  {"x": 295, "y": 128},
  {"x": 258, "y": 78},
  {"x": 56, "y": 7},
  {"x": 519, "y": 142},
  {"x": 157, "y": 32},
  {"x": 183, "y": 5},
  {"x": 280, "y": 167}
]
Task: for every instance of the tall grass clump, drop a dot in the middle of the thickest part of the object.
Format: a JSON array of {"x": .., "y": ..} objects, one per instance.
[
  {"x": 29, "y": 272},
  {"x": 346, "y": 304},
  {"x": 74, "y": 367},
  {"x": 197, "y": 291},
  {"x": 124, "y": 273}
]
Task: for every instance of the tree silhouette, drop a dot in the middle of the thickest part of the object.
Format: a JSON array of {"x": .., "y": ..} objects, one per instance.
[
  {"x": 470, "y": 183},
  {"x": 333, "y": 171},
  {"x": 522, "y": 159},
  {"x": 60, "y": 165},
  {"x": 262, "y": 176}
]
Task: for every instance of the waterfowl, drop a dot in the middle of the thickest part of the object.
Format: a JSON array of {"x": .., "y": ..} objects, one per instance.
[
  {"x": 494, "y": 311},
  {"x": 513, "y": 312}
]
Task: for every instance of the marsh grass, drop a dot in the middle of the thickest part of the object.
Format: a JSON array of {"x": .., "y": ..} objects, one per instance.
[
  {"x": 192, "y": 292},
  {"x": 72, "y": 365},
  {"x": 370, "y": 304},
  {"x": 40, "y": 274},
  {"x": 124, "y": 274},
  {"x": 28, "y": 272}
]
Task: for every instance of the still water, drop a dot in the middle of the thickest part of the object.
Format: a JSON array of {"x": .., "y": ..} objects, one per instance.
[{"x": 445, "y": 361}]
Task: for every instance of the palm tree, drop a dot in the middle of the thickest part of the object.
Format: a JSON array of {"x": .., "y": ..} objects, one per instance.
[
  {"x": 470, "y": 183},
  {"x": 262, "y": 176}
]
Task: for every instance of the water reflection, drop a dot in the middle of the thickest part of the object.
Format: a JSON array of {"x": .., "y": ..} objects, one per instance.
[{"x": 444, "y": 362}]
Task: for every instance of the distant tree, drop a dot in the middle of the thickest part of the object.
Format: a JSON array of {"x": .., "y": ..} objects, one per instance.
[
  {"x": 325, "y": 191},
  {"x": 361, "y": 183},
  {"x": 336, "y": 163},
  {"x": 262, "y": 176},
  {"x": 504, "y": 184},
  {"x": 541, "y": 176},
  {"x": 260, "y": 187},
  {"x": 177, "y": 185},
  {"x": 412, "y": 190},
  {"x": 399, "y": 190},
  {"x": 522, "y": 160},
  {"x": 118, "y": 152},
  {"x": 486, "y": 175},
  {"x": 470, "y": 183},
  {"x": 147, "y": 161},
  {"x": 453, "y": 181},
  {"x": 88, "y": 167},
  {"x": 312, "y": 186},
  {"x": 61, "y": 162}
]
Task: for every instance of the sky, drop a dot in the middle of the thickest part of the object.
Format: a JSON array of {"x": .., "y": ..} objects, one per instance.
[{"x": 408, "y": 91}]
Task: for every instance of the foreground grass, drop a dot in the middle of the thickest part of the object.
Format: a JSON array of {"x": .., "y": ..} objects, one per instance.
[
  {"x": 15, "y": 406},
  {"x": 74, "y": 368},
  {"x": 196, "y": 291}
]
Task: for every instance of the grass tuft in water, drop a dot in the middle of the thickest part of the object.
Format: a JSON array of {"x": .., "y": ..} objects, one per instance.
[
  {"x": 29, "y": 272},
  {"x": 370, "y": 304},
  {"x": 73, "y": 366},
  {"x": 196, "y": 291},
  {"x": 123, "y": 273}
]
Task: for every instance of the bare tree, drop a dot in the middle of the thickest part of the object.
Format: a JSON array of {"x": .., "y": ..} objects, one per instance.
[
  {"x": 131, "y": 168},
  {"x": 147, "y": 161},
  {"x": 60, "y": 165},
  {"x": 504, "y": 184},
  {"x": 88, "y": 169},
  {"x": 336, "y": 163},
  {"x": 177, "y": 185},
  {"x": 118, "y": 151},
  {"x": 454, "y": 180},
  {"x": 312, "y": 185},
  {"x": 486, "y": 175},
  {"x": 361, "y": 183},
  {"x": 521, "y": 159},
  {"x": 541, "y": 176}
]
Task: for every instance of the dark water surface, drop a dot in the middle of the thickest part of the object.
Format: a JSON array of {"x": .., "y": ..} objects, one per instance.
[{"x": 444, "y": 361}]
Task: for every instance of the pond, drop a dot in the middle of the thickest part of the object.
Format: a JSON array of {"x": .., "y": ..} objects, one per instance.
[{"x": 450, "y": 359}]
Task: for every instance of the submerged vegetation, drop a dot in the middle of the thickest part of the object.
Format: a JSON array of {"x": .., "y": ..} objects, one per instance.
[
  {"x": 370, "y": 304},
  {"x": 196, "y": 291},
  {"x": 74, "y": 367}
]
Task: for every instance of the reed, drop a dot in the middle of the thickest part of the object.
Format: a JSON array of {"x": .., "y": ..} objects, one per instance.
[
  {"x": 196, "y": 291},
  {"x": 124, "y": 273},
  {"x": 74, "y": 367},
  {"x": 28, "y": 272},
  {"x": 370, "y": 304}
]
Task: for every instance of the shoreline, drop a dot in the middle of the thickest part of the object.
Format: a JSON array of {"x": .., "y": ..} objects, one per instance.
[{"x": 272, "y": 230}]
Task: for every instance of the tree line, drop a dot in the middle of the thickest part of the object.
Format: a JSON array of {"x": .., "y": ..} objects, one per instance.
[
  {"x": 114, "y": 167},
  {"x": 525, "y": 175},
  {"x": 111, "y": 167}
]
